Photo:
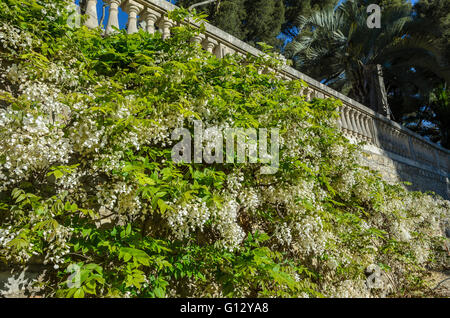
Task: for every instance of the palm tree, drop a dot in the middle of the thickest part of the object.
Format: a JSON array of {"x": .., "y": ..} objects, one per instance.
[{"x": 335, "y": 46}]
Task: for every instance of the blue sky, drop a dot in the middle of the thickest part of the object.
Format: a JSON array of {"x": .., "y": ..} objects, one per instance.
[{"x": 123, "y": 17}]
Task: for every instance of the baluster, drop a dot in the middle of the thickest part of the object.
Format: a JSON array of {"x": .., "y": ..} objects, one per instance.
[
  {"x": 346, "y": 119},
  {"x": 393, "y": 139},
  {"x": 374, "y": 127},
  {"x": 401, "y": 144},
  {"x": 113, "y": 19},
  {"x": 362, "y": 131},
  {"x": 364, "y": 127},
  {"x": 308, "y": 94},
  {"x": 91, "y": 11},
  {"x": 385, "y": 135},
  {"x": 341, "y": 122},
  {"x": 150, "y": 17},
  {"x": 417, "y": 150},
  {"x": 358, "y": 118},
  {"x": 367, "y": 120},
  {"x": 302, "y": 91},
  {"x": 349, "y": 121},
  {"x": 199, "y": 38},
  {"x": 412, "y": 154},
  {"x": 430, "y": 155},
  {"x": 133, "y": 9},
  {"x": 165, "y": 26},
  {"x": 353, "y": 127},
  {"x": 209, "y": 44},
  {"x": 220, "y": 50}
]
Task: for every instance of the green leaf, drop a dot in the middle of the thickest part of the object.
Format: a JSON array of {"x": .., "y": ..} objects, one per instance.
[
  {"x": 159, "y": 292},
  {"x": 79, "y": 293},
  {"x": 162, "y": 206}
]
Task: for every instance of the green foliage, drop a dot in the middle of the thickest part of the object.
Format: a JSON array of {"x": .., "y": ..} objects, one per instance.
[
  {"x": 97, "y": 196},
  {"x": 294, "y": 9},
  {"x": 433, "y": 119}
]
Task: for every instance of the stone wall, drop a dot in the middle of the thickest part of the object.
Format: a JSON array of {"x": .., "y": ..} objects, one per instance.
[{"x": 394, "y": 169}]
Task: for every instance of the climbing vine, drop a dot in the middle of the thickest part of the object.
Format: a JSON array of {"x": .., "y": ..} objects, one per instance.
[{"x": 88, "y": 186}]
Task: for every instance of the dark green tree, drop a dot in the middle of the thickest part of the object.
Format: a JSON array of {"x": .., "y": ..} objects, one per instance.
[
  {"x": 228, "y": 15},
  {"x": 440, "y": 105},
  {"x": 421, "y": 93},
  {"x": 263, "y": 21},
  {"x": 433, "y": 119},
  {"x": 435, "y": 19},
  {"x": 337, "y": 47},
  {"x": 296, "y": 8},
  {"x": 249, "y": 20}
]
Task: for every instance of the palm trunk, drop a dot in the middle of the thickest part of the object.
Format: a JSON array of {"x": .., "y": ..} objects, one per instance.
[{"x": 377, "y": 99}]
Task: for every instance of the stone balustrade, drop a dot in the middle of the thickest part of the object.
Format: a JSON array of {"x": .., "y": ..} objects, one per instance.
[{"x": 382, "y": 137}]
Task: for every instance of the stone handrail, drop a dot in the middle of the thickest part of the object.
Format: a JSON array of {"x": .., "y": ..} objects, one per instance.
[{"x": 358, "y": 122}]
